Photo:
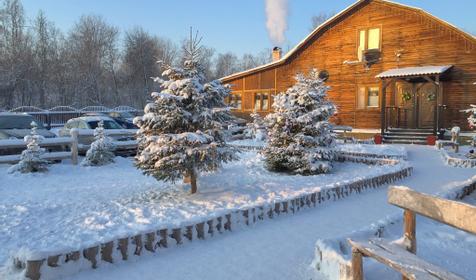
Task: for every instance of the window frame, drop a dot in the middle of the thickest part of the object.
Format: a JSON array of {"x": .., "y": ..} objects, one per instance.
[
  {"x": 260, "y": 95},
  {"x": 366, "y": 41},
  {"x": 366, "y": 101}
]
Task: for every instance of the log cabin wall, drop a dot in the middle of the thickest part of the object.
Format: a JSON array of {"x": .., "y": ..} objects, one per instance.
[{"x": 409, "y": 37}]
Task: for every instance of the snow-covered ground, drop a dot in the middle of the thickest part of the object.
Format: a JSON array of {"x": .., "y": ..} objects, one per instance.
[
  {"x": 73, "y": 207},
  {"x": 283, "y": 248}
]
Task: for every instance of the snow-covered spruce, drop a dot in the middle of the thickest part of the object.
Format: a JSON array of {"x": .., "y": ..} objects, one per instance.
[
  {"x": 256, "y": 129},
  {"x": 30, "y": 160},
  {"x": 180, "y": 133},
  {"x": 101, "y": 151},
  {"x": 299, "y": 133},
  {"x": 472, "y": 116}
]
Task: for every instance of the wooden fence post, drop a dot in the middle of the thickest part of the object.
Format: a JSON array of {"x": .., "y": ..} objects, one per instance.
[
  {"x": 409, "y": 223},
  {"x": 357, "y": 268},
  {"x": 74, "y": 146}
]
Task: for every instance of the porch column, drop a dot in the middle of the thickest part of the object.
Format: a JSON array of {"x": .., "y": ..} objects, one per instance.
[{"x": 383, "y": 103}]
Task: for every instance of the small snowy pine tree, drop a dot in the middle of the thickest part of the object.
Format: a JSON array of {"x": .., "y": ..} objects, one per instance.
[
  {"x": 299, "y": 133},
  {"x": 256, "y": 129},
  {"x": 101, "y": 151},
  {"x": 180, "y": 133},
  {"x": 472, "y": 116},
  {"x": 30, "y": 160}
]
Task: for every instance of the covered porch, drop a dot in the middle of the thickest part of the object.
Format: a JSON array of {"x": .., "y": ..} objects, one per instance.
[{"x": 412, "y": 97}]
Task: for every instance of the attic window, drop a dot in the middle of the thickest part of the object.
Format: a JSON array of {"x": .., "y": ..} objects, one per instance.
[{"x": 369, "y": 39}]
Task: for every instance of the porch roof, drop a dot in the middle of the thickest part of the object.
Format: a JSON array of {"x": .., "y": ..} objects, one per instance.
[{"x": 414, "y": 71}]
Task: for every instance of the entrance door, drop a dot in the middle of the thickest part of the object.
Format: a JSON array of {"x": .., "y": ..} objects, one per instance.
[
  {"x": 426, "y": 105},
  {"x": 405, "y": 105}
]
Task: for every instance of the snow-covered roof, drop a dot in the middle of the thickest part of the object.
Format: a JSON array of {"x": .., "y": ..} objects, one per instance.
[
  {"x": 414, "y": 71},
  {"x": 331, "y": 20}
]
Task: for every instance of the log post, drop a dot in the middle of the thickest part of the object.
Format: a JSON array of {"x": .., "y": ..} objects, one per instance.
[
  {"x": 122, "y": 246},
  {"x": 189, "y": 232},
  {"x": 177, "y": 235},
  {"x": 227, "y": 225},
  {"x": 409, "y": 223},
  {"x": 210, "y": 227},
  {"x": 33, "y": 269},
  {"x": 138, "y": 243},
  {"x": 163, "y": 238},
  {"x": 90, "y": 254},
  {"x": 200, "y": 230},
  {"x": 357, "y": 267},
  {"x": 74, "y": 146},
  {"x": 53, "y": 261},
  {"x": 106, "y": 251},
  {"x": 73, "y": 256},
  {"x": 150, "y": 241}
]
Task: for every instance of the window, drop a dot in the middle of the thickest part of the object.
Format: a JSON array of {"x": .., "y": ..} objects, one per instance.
[
  {"x": 234, "y": 100},
  {"x": 261, "y": 101},
  {"x": 372, "y": 100},
  {"x": 369, "y": 39},
  {"x": 368, "y": 97}
]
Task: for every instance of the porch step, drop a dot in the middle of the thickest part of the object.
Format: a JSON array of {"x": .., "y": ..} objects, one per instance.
[
  {"x": 407, "y": 136},
  {"x": 404, "y": 141}
]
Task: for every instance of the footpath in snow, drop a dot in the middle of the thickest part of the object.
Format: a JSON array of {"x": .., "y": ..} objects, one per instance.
[{"x": 283, "y": 248}]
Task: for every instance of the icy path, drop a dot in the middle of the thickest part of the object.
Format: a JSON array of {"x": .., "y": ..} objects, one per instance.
[{"x": 282, "y": 248}]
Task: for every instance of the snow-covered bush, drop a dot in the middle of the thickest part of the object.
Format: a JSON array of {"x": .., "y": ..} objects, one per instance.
[
  {"x": 101, "y": 151},
  {"x": 30, "y": 160},
  {"x": 256, "y": 129},
  {"x": 299, "y": 133},
  {"x": 181, "y": 132}
]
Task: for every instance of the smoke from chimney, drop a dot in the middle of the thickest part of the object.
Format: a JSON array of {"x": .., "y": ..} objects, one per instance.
[{"x": 276, "y": 20}]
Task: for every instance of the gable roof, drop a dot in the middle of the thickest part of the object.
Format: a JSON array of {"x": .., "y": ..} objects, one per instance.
[{"x": 334, "y": 19}]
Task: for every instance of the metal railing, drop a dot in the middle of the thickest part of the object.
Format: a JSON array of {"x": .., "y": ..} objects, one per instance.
[{"x": 59, "y": 115}]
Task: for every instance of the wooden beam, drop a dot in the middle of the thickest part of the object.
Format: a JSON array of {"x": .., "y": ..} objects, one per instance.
[
  {"x": 456, "y": 214},
  {"x": 357, "y": 266},
  {"x": 430, "y": 80},
  {"x": 383, "y": 122}
]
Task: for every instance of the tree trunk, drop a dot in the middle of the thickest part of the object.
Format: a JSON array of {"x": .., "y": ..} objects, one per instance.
[{"x": 193, "y": 182}]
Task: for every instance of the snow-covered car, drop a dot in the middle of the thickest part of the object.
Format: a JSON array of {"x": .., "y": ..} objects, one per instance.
[
  {"x": 122, "y": 118},
  {"x": 86, "y": 125},
  {"x": 17, "y": 126}
]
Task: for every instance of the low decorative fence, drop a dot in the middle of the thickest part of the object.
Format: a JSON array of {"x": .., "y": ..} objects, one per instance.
[
  {"x": 457, "y": 162},
  {"x": 152, "y": 240}
]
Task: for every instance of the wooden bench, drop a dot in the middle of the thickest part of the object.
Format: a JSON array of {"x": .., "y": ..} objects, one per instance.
[
  {"x": 442, "y": 143},
  {"x": 339, "y": 129},
  {"x": 453, "y": 213}
]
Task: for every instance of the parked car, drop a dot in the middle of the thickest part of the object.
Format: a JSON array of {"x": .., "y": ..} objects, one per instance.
[
  {"x": 122, "y": 118},
  {"x": 17, "y": 126},
  {"x": 88, "y": 123}
]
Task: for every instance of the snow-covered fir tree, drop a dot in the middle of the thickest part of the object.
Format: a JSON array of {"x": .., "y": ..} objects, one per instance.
[
  {"x": 101, "y": 151},
  {"x": 30, "y": 160},
  {"x": 299, "y": 133},
  {"x": 181, "y": 132},
  {"x": 472, "y": 116},
  {"x": 256, "y": 129}
]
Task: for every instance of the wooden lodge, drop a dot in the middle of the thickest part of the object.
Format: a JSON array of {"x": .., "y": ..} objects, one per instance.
[{"x": 388, "y": 65}]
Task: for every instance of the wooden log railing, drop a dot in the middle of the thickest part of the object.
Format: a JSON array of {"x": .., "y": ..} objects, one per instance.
[
  {"x": 54, "y": 146},
  {"x": 453, "y": 213}
]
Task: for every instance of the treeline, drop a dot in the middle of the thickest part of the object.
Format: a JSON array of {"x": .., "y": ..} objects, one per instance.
[{"x": 92, "y": 64}]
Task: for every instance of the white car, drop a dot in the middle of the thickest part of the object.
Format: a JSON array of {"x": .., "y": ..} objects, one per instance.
[{"x": 86, "y": 125}]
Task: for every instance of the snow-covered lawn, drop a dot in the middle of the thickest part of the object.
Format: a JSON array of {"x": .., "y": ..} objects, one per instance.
[
  {"x": 71, "y": 206},
  {"x": 283, "y": 248}
]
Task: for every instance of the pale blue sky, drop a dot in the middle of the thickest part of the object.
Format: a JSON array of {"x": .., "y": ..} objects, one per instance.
[{"x": 226, "y": 25}]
